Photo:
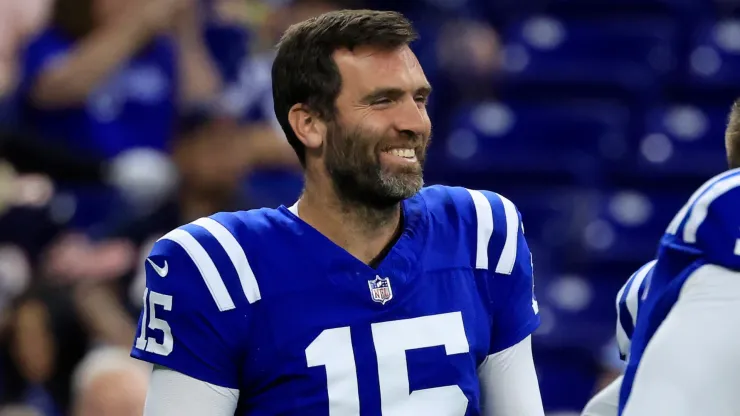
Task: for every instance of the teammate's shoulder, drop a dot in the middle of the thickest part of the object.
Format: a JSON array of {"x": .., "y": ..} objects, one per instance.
[
  {"x": 633, "y": 288},
  {"x": 709, "y": 220},
  {"x": 629, "y": 300}
]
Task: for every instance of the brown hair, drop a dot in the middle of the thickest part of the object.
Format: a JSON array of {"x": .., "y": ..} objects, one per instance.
[
  {"x": 732, "y": 136},
  {"x": 304, "y": 70}
]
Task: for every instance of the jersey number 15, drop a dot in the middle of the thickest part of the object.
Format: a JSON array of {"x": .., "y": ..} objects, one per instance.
[
  {"x": 152, "y": 298},
  {"x": 332, "y": 349}
]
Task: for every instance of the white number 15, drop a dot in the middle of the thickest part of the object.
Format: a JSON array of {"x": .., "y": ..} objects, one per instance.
[
  {"x": 332, "y": 349},
  {"x": 150, "y": 344}
]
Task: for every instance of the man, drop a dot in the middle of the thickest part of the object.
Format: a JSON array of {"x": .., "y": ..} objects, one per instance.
[
  {"x": 682, "y": 344},
  {"x": 370, "y": 295}
]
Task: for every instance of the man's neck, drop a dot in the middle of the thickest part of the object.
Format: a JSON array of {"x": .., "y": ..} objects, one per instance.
[{"x": 364, "y": 232}]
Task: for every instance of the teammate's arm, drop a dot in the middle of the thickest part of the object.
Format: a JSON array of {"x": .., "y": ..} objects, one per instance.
[
  {"x": 688, "y": 366},
  {"x": 175, "y": 394}
]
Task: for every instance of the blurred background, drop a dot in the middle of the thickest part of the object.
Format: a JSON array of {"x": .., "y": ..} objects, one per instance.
[{"x": 122, "y": 120}]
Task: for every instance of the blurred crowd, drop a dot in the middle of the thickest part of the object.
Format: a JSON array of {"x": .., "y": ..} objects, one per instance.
[{"x": 120, "y": 120}]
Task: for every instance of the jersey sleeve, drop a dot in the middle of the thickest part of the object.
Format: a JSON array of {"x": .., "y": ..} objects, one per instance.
[
  {"x": 708, "y": 225},
  {"x": 509, "y": 283},
  {"x": 629, "y": 300},
  {"x": 718, "y": 234},
  {"x": 190, "y": 322}
]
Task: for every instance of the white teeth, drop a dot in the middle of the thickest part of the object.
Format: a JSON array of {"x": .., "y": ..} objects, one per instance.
[{"x": 407, "y": 153}]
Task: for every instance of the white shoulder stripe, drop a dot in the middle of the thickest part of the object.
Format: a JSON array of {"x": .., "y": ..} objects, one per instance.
[
  {"x": 701, "y": 208},
  {"x": 623, "y": 341},
  {"x": 204, "y": 263},
  {"x": 484, "y": 214},
  {"x": 237, "y": 255},
  {"x": 508, "y": 254},
  {"x": 633, "y": 297},
  {"x": 676, "y": 222}
]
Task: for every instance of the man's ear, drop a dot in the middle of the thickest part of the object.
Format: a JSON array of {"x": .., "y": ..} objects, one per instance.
[{"x": 308, "y": 127}]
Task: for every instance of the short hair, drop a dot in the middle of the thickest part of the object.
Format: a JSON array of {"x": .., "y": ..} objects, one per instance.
[
  {"x": 304, "y": 70},
  {"x": 732, "y": 136}
]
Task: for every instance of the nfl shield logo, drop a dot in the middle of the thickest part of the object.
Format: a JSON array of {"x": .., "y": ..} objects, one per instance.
[{"x": 380, "y": 289}]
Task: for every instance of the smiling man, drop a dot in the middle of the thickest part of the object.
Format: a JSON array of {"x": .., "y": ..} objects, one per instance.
[{"x": 370, "y": 295}]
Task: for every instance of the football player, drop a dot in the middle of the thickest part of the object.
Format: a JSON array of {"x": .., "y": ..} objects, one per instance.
[
  {"x": 370, "y": 295},
  {"x": 682, "y": 345}
]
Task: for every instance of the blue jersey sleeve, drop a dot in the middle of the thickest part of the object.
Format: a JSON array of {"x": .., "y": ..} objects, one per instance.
[
  {"x": 709, "y": 223},
  {"x": 718, "y": 235},
  {"x": 190, "y": 322},
  {"x": 510, "y": 289}
]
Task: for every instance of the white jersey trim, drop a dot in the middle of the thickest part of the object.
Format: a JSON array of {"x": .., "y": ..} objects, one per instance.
[
  {"x": 633, "y": 298},
  {"x": 701, "y": 208},
  {"x": 205, "y": 265},
  {"x": 508, "y": 254},
  {"x": 678, "y": 219},
  {"x": 623, "y": 341},
  {"x": 237, "y": 255},
  {"x": 484, "y": 215}
]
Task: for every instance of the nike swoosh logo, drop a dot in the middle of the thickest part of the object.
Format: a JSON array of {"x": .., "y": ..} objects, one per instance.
[{"x": 161, "y": 271}]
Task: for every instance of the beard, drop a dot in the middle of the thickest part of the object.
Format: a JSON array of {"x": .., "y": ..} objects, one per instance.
[{"x": 352, "y": 161}]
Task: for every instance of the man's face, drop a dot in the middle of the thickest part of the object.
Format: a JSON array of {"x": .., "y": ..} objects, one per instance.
[{"x": 375, "y": 147}]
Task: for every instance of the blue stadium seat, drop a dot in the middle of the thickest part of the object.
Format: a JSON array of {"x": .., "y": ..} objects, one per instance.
[
  {"x": 682, "y": 139},
  {"x": 531, "y": 139},
  {"x": 574, "y": 300},
  {"x": 624, "y": 225},
  {"x": 714, "y": 56},
  {"x": 631, "y": 53},
  {"x": 626, "y": 6}
]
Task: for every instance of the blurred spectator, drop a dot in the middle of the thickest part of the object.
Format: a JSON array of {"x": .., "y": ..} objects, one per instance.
[
  {"x": 45, "y": 341},
  {"x": 109, "y": 383},
  {"x": 30, "y": 218},
  {"x": 109, "y": 76},
  {"x": 212, "y": 155},
  {"x": 19, "y": 410},
  {"x": 19, "y": 19},
  {"x": 31, "y": 154}
]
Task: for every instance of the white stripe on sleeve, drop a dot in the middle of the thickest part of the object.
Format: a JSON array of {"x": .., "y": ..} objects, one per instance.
[
  {"x": 205, "y": 265},
  {"x": 237, "y": 255},
  {"x": 484, "y": 215}
]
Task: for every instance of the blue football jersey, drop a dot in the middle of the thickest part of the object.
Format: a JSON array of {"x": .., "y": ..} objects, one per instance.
[
  {"x": 705, "y": 231},
  {"x": 261, "y": 302},
  {"x": 629, "y": 301}
]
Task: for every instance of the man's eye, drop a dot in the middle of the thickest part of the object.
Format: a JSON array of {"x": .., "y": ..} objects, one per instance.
[{"x": 382, "y": 101}]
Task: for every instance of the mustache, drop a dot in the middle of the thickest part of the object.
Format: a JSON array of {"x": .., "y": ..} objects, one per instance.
[{"x": 410, "y": 139}]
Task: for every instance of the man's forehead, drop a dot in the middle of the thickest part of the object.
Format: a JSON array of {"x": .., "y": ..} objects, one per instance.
[{"x": 359, "y": 63}]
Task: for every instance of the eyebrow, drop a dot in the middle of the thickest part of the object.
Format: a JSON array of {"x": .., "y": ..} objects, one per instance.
[{"x": 394, "y": 93}]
